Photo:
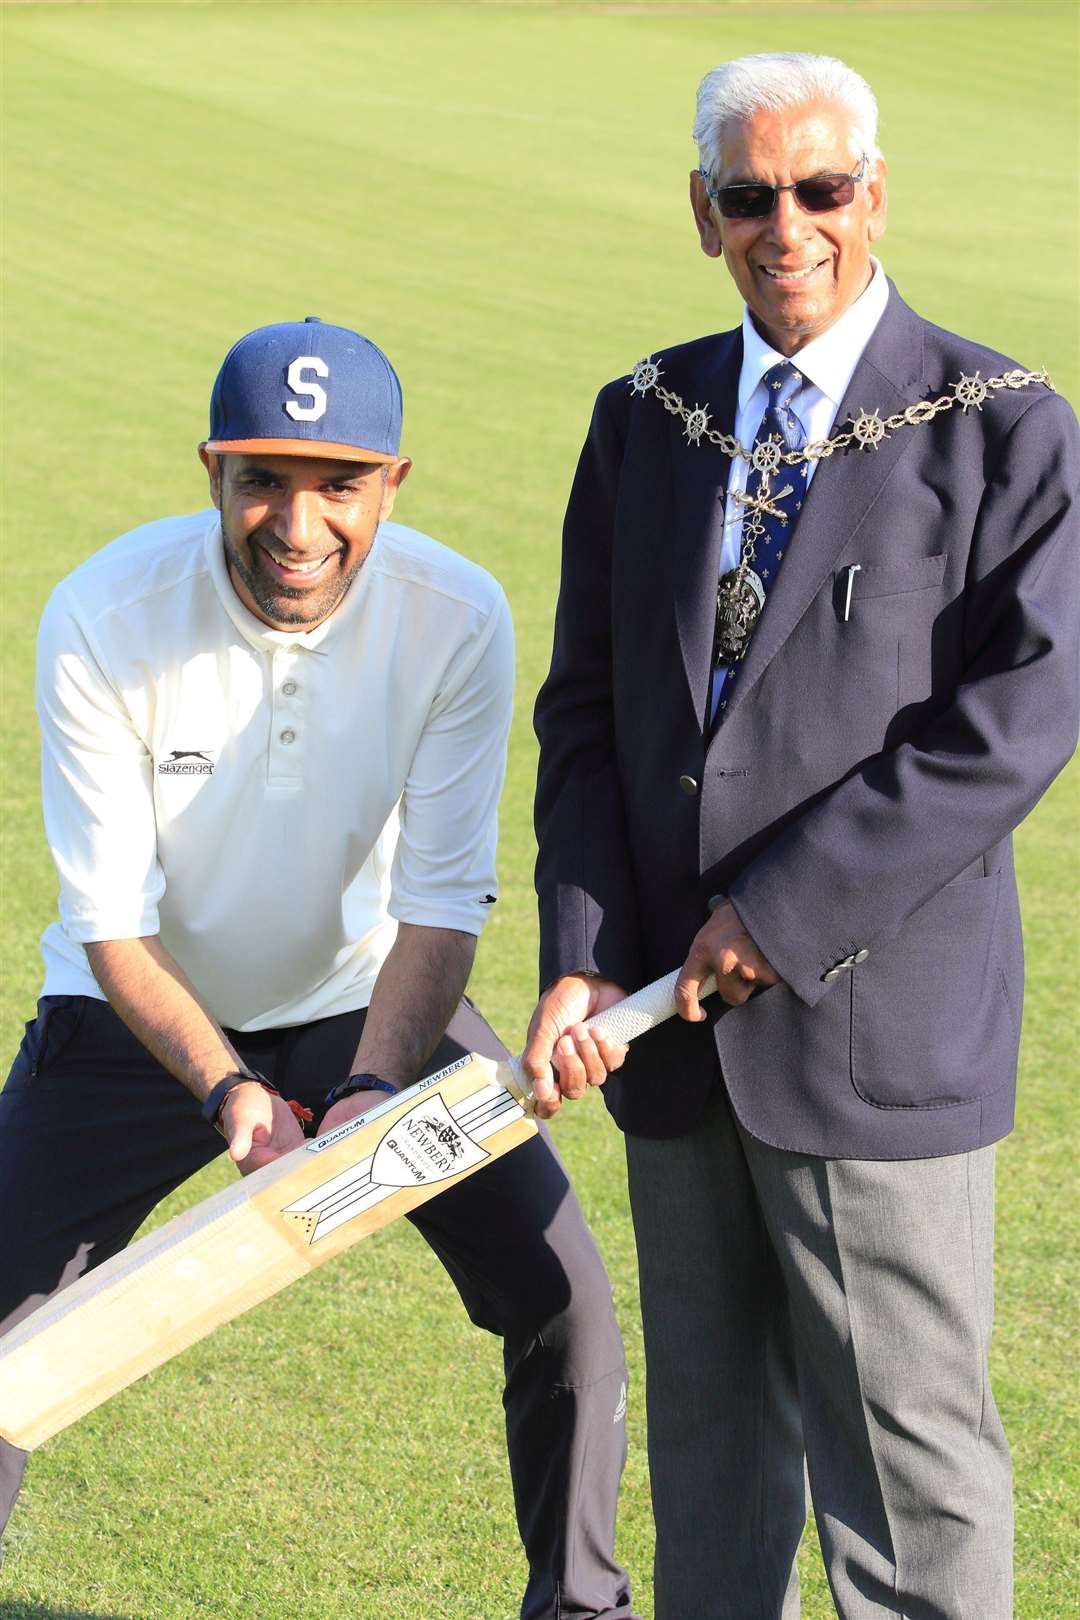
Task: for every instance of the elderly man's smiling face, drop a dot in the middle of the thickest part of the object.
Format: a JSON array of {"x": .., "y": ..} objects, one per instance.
[{"x": 798, "y": 272}]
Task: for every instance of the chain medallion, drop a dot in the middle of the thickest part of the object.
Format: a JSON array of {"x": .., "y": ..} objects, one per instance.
[
  {"x": 740, "y": 594},
  {"x": 867, "y": 430}
]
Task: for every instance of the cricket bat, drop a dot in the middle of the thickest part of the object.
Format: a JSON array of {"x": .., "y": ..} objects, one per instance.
[{"x": 170, "y": 1289}]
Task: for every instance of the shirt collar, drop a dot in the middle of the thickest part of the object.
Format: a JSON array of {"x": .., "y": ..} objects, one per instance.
[
  {"x": 829, "y": 361},
  {"x": 253, "y": 630}
]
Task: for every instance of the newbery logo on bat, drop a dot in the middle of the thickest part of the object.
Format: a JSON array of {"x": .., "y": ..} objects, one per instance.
[{"x": 424, "y": 1145}]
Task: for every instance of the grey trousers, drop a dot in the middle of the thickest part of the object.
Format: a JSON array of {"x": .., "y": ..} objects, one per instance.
[
  {"x": 93, "y": 1133},
  {"x": 844, "y": 1307}
]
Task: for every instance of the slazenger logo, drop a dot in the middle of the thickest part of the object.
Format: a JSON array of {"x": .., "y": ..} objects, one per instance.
[{"x": 186, "y": 762}]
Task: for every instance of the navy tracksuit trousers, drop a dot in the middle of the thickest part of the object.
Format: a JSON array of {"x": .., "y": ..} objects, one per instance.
[{"x": 94, "y": 1133}]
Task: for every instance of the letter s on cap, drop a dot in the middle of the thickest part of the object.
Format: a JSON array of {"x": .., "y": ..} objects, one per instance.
[{"x": 299, "y": 385}]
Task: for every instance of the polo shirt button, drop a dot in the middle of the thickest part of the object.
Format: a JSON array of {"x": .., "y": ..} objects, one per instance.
[
  {"x": 688, "y": 785},
  {"x": 288, "y": 687},
  {"x": 288, "y": 736}
]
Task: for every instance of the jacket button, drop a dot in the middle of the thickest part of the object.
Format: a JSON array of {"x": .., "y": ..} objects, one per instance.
[
  {"x": 688, "y": 785},
  {"x": 832, "y": 976},
  {"x": 860, "y": 956}
]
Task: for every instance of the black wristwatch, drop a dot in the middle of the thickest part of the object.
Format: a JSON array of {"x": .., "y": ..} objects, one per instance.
[{"x": 359, "y": 1082}]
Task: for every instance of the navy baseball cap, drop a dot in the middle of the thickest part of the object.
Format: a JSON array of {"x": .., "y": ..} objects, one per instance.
[{"x": 305, "y": 388}]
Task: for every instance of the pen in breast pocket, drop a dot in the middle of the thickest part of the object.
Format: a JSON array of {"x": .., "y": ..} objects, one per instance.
[{"x": 853, "y": 569}]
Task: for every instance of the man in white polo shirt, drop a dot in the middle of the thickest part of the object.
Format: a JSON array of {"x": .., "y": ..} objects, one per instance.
[{"x": 274, "y": 736}]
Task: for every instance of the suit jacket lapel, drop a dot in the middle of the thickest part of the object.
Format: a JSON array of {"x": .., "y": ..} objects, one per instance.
[
  {"x": 844, "y": 486},
  {"x": 699, "y": 476}
]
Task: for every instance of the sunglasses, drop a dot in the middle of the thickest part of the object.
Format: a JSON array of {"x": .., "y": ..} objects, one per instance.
[{"x": 818, "y": 195}]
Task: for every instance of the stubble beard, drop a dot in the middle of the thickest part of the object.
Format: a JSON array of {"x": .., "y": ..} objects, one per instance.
[{"x": 290, "y": 606}]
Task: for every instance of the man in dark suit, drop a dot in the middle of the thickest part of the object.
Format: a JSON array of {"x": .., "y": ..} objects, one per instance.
[{"x": 789, "y": 746}]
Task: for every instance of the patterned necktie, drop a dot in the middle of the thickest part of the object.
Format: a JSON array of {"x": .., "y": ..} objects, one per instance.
[{"x": 770, "y": 506}]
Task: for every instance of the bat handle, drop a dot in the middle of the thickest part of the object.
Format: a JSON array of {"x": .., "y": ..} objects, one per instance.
[
  {"x": 632, "y": 1016},
  {"x": 642, "y": 1011}
]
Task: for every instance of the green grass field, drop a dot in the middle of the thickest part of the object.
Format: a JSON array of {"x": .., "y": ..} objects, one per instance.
[{"x": 497, "y": 195}]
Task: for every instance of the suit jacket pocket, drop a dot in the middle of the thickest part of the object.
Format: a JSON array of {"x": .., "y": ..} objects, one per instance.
[
  {"x": 931, "y": 1025},
  {"x": 893, "y": 578},
  {"x": 885, "y": 616}
]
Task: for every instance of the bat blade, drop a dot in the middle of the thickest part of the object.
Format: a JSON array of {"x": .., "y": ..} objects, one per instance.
[
  {"x": 170, "y": 1289},
  {"x": 176, "y": 1285}
]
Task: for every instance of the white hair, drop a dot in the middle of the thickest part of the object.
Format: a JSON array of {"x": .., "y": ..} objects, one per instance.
[{"x": 773, "y": 81}]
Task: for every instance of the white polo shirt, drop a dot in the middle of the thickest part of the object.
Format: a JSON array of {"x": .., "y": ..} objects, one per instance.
[{"x": 270, "y": 803}]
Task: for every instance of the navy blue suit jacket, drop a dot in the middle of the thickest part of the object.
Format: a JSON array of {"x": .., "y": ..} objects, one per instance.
[{"x": 861, "y": 792}]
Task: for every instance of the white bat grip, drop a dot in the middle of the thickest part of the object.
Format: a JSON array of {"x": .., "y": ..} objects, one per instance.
[
  {"x": 647, "y": 1007},
  {"x": 634, "y": 1015}
]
